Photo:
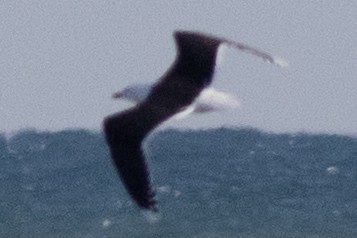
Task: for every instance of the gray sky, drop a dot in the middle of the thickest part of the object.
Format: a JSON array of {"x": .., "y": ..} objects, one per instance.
[{"x": 60, "y": 61}]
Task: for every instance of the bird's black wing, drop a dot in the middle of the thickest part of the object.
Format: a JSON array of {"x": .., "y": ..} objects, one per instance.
[
  {"x": 126, "y": 130},
  {"x": 124, "y": 139}
]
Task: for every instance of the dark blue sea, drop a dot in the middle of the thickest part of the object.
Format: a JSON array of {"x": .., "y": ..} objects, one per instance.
[{"x": 210, "y": 184}]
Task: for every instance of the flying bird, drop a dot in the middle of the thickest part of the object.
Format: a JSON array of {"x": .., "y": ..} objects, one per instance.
[{"x": 190, "y": 75}]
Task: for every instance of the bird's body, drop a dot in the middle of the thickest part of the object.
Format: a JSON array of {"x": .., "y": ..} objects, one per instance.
[
  {"x": 176, "y": 91},
  {"x": 208, "y": 100}
]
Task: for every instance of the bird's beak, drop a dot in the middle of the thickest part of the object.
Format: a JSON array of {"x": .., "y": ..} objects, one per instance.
[{"x": 117, "y": 95}]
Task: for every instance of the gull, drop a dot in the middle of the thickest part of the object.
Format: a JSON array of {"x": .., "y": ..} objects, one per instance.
[{"x": 190, "y": 74}]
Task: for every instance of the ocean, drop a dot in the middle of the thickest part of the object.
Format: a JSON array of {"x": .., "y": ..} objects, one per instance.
[{"x": 212, "y": 183}]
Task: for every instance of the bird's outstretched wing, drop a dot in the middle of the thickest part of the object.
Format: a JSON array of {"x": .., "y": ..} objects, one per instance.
[
  {"x": 124, "y": 140},
  {"x": 125, "y": 132}
]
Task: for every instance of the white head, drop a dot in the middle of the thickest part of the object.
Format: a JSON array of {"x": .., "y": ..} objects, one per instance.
[{"x": 134, "y": 93}]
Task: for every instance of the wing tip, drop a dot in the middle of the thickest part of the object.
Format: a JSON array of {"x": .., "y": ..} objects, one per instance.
[
  {"x": 147, "y": 203},
  {"x": 281, "y": 62},
  {"x": 151, "y": 217}
]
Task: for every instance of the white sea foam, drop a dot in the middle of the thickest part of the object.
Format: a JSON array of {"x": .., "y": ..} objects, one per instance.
[
  {"x": 106, "y": 223},
  {"x": 152, "y": 217},
  {"x": 332, "y": 170}
]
